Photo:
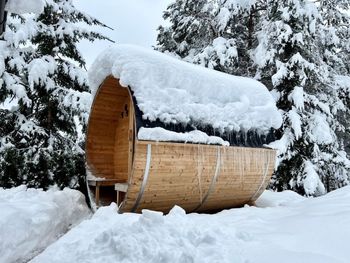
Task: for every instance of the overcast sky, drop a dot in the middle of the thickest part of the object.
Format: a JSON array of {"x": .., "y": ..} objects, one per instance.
[{"x": 133, "y": 21}]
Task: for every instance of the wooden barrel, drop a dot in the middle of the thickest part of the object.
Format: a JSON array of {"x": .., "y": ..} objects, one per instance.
[{"x": 159, "y": 175}]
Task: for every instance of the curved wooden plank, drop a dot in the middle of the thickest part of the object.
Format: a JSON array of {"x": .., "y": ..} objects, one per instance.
[{"x": 182, "y": 174}]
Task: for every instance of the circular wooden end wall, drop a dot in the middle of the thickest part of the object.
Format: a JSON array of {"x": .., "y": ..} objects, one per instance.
[{"x": 110, "y": 133}]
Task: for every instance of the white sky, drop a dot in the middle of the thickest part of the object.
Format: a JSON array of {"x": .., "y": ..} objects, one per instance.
[{"x": 133, "y": 21}]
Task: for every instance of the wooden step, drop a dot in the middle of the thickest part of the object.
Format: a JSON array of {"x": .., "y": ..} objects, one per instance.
[
  {"x": 121, "y": 187},
  {"x": 101, "y": 182}
]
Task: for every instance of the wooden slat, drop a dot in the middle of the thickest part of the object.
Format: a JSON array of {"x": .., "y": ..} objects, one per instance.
[{"x": 177, "y": 176}]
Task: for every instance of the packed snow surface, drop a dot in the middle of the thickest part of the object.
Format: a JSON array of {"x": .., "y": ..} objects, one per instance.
[
  {"x": 160, "y": 134},
  {"x": 285, "y": 227},
  {"x": 25, "y": 6},
  {"x": 31, "y": 219},
  {"x": 175, "y": 91}
]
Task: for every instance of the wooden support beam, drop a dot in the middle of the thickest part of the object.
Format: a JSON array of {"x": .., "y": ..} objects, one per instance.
[
  {"x": 97, "y": 195},
  {"x": 121, "y": 189}
]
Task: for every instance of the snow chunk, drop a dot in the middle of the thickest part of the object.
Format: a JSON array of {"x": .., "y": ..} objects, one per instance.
[
  {"x": 295, "y": 120},
  {"x": 274, "y": 199},
  {"x": 320, "y": 131},
  {"x": 282, "y": 73},
  {"x": 225, "y": 50},
  {"x": 343, "y": 82},
  {"x": 223, "y": 18},
  {"x": 39, "y": 70},
  {"x": 160, "y": 134},
  {"x": 26, "y": 6},
  {"x": 297, "y": 97},
  {"x": 312, "y": 183},
  {"x": 175, "y": 91},
  {"x": 282, "y": 145},
  {"x": 31, "y": 219}
]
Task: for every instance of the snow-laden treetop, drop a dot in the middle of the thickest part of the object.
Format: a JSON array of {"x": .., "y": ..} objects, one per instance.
[
  {"x": 25, "y": 6},
  {"x": 174, "y": 91}
]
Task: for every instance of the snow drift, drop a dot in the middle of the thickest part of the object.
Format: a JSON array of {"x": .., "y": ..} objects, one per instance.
[
  {"x": 287, "y": 228},
  {"x": 31, "y": 219}
]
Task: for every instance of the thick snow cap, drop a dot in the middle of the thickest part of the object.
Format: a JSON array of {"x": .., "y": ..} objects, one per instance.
[{"x": 176, "y": 92}]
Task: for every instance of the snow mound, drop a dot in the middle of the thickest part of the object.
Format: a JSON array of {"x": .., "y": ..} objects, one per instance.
[
  {"x": 160, "y": 134},
  {"x": 274, "y": 199},
  {"x": 296, "y": 230},
  {"x": 31, "y": 219},
  {"x": 178, "y": 92}
]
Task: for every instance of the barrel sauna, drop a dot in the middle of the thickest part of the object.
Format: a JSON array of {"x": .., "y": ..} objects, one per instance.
[
  {"x": 152, "y": 173},
  {"x": 159, "y": 175}
]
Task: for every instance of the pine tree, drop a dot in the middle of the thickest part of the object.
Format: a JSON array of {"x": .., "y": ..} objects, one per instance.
[
  {"x": 12, "y": 88},
  {"x": 289, "y": 58},
  {"x": 53, "y": 94},
  {"x": 335, "y": 48},
  {"x": 336, "y": 52},
  {"x": 216, "y": 34},
  {"x": 335, "y": 20},
  {"x": 191, "y": 27},
  {"x": 287, "y": 46},
  {"x": 237, "y": 23}
]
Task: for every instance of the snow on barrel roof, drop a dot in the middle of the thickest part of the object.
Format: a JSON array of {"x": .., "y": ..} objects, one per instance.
[{"x": 175, "y": 91}]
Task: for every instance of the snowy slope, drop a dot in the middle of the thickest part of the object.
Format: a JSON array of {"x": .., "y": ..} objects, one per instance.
[
  {"x": 285, "y": 228},
  {"x": 31, "y": 219}
]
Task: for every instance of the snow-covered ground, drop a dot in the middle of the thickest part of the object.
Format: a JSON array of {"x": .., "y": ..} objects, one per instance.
[
  {"x": 32, "y": 219},
  {"x": 285, "y": 227}
]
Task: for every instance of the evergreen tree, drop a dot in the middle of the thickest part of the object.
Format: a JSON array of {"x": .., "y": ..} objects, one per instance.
[
  {"x": 289, "y": 58},
  {"x": 335, "y": 20},
  {"x": 217, "y": 34},
  {"x": 291, "y": 47},
  {"x": 52, "y": 93},
  {"x": 237, "y": 22},
  {"x": 191, "y": 27},
  {"x": 336, "y": 52},
  {"x": 12, "y": 88}
]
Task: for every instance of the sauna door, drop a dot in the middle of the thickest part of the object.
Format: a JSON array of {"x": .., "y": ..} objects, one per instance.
[{"x": 124, "y": 137}]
